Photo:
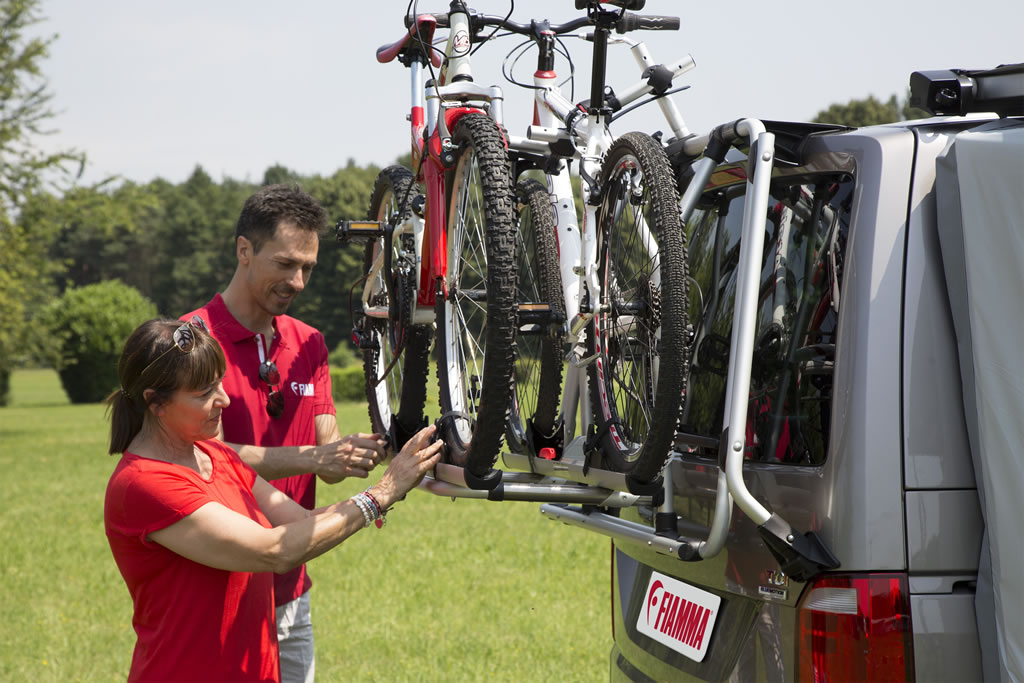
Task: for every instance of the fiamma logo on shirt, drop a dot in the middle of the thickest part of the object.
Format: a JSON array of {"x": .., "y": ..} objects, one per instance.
[
  {"x": 678, "y": 616},
  {"x": 302, "y": 389}
]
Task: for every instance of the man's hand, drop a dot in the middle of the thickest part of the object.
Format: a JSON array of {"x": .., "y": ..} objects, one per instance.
[{"x": 352, "y": 456}]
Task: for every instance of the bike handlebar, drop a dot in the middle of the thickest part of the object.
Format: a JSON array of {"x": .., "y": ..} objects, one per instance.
[
  {"x": 627, "y": 22},
  {"x": 624, "y": 4}
]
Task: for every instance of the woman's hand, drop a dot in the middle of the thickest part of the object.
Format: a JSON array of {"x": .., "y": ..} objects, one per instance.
[{"x": 417, "y": 457}]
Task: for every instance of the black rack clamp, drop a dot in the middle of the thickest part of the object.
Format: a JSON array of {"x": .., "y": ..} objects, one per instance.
[{"x": 800, "y": 557}]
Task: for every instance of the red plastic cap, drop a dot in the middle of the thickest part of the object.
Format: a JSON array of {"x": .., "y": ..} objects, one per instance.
[{"x": 547, "y": 453}]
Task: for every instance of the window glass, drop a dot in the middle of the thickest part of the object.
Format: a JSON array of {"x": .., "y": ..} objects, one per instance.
[{"x": 789, "y": 410}]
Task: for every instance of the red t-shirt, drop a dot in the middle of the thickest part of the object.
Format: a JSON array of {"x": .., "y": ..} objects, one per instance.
[
  {"x": 192, "y": 622},
  {"x": 300, "y": 354}
]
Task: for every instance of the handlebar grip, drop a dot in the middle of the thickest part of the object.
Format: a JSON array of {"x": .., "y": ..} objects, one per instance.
[
  {"x": 649, "y": 22},
  {"x": 624, "y": 4},
  {"x": 442, "y": 20}
]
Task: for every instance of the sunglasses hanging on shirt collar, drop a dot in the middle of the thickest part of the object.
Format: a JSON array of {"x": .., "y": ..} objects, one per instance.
[{"x": 270, "y": 376}]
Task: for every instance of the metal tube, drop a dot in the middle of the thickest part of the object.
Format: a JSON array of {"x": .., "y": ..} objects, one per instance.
[
  {"x": 538, "y": 493},
  {"x": 496, "y": 110},
  {"x": 701, "y": 173},
  {"x": 614, "y": 527},
  {"x": 527, "y": 145},
  {"x": 745, "y": 317},
  {"x": 720, "y": 523}
]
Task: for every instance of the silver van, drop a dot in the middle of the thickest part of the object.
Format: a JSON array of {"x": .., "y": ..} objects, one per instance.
[{"x": 859, "y": 425}]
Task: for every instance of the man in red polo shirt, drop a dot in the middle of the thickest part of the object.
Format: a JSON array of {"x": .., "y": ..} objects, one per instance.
[{"x": 281, "y": 419}]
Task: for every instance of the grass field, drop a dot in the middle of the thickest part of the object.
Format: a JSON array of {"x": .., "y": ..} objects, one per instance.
[{"x": 446, "y": 591}]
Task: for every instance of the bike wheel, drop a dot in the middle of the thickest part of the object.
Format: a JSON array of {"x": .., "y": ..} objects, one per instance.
[
  {"x": 476, "y": 315},
  {"x": 537, "y": 381},
  {"x": 640, "y": 331},
  {"x": 396, "y": 401}
]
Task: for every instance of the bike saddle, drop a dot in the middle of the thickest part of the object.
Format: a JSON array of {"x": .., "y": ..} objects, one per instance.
[{"x": 420, "y": 33}]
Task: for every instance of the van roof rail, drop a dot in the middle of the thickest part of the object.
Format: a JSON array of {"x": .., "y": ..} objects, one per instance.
[{"x": 957, "y": 92}]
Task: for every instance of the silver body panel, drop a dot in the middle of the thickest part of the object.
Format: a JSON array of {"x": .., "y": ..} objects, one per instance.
[{"x": 945, "y": 638}]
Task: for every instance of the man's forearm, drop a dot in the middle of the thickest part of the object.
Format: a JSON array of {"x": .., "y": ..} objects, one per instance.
[{"x": 278, "y": 462}]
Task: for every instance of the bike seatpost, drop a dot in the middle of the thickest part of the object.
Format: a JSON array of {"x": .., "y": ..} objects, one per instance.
[{"x": 600, "y": 62}]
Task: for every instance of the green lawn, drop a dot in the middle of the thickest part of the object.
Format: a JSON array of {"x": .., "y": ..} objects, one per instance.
[{"x": 447, "y": 590}]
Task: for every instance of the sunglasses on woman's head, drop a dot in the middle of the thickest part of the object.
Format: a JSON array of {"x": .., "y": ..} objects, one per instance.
[
  {"x": 183, "y": 339},
  {"x": 271, "y": 377}
]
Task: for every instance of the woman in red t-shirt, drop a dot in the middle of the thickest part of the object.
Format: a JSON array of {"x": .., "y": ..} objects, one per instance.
[{"x": 196, "y": 532}]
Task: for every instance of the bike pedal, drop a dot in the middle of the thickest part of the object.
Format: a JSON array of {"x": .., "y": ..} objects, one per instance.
[
  {"x": 364, "y": 340},
  {"x": 359, "y": 231}
]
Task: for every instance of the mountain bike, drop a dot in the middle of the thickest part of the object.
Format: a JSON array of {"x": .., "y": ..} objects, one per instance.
[
  {"x": 440, "y": 252},
  {"x": 620, "y": 281}
]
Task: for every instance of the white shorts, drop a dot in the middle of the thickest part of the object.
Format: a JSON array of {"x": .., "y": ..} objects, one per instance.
[{"x": 295, "y": 641}]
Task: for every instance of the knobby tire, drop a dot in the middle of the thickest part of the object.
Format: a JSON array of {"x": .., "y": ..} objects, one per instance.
[
  {"x": 539, "y": 365},
  {"x": 396, "y": 402},
  {"x": 476, "y": 317},
  {"x": 640, "y": 331}
]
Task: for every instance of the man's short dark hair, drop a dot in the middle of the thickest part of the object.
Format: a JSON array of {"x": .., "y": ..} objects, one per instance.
[{"x": 276, "y": 204}]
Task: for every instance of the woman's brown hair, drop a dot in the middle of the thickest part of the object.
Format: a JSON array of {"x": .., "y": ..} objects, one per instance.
[{"x": 148, "y": 361}]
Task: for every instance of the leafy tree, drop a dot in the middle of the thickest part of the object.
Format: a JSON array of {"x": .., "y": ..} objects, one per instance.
[
  {"x": 95, "y": 233},
  {"x": 25, "y": 107},
  {"x": 25, "y": 275},
  {"x": 869, "y": 112},
  {"x": 857, "y": 113}
]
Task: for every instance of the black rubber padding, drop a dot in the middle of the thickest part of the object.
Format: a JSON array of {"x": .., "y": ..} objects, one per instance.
[{"x": 488, "y": 482}]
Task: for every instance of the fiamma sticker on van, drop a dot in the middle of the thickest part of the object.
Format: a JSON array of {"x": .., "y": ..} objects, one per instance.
[{"x": 678, "y": 616}]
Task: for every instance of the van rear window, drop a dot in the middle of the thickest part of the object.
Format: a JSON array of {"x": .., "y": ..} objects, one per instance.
[{"x": 789, "y": 413}]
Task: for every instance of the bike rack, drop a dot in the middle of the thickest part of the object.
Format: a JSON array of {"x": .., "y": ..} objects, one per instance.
[
  {"x": 799, "y": 556},
  {"x": 571, "y": 479}
]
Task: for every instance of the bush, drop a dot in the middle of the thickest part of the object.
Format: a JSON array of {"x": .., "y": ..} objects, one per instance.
[
  {"x": 348, "y": 384},
  {"x": 90, "y": 325},
  {"x": 344, "y": 355}
]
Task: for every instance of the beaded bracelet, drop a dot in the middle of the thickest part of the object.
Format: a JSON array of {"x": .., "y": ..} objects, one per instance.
[
  {"x": 364, "y": 507},
  {"x": 381, "y": 517}
]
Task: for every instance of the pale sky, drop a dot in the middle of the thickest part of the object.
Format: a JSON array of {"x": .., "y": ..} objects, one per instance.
[{"x": 151, "y": 89}]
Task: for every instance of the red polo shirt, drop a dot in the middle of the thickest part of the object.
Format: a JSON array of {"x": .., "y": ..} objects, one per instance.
[{"x": 300, "y": 354}]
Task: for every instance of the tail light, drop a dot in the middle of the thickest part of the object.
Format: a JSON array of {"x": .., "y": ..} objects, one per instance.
[{"x": 856, "y": 628}]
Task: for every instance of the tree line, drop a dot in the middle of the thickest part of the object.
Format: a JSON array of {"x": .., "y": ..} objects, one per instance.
[{"x": 175, "y": 242}]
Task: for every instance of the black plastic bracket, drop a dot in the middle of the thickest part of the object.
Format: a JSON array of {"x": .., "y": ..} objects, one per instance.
[
  {"x": 799, "y": 557},
  {"x": 536, "y": 439},
  {"x": 659, "y": 77},
  {"x": 399, "y": 434},
  {"x": 487, "y": 482},
  {"x": 655, "y": 489},
  {"x": 665, "y": 524}
]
